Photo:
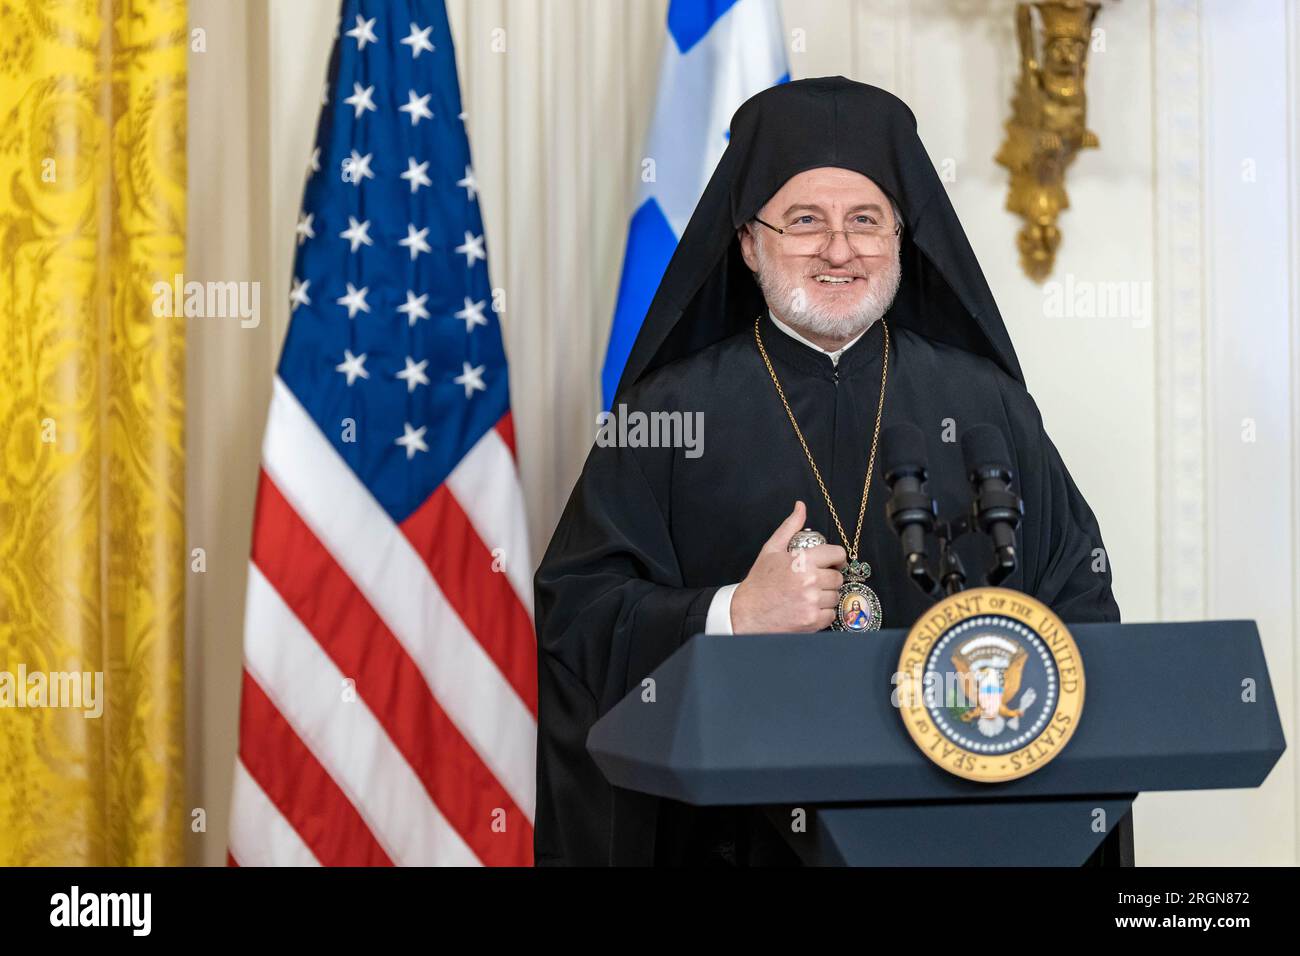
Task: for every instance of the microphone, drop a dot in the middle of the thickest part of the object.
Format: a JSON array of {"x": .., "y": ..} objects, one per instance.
[
  {"x": 996, "y": 509},
  {"x": 910, "y": 509}
]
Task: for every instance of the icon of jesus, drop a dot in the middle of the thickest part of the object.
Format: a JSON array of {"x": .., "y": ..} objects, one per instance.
[{"x": 856, "y": 618}]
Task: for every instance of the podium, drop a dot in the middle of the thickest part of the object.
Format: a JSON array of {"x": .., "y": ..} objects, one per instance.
[{"x": 803, "y": 725}]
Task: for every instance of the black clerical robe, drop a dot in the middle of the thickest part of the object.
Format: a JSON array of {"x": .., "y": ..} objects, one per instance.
[{"x": 650, "y": 534}]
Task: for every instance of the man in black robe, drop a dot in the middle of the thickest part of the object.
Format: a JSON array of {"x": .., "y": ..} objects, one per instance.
[{"x": 823, "y": 223}]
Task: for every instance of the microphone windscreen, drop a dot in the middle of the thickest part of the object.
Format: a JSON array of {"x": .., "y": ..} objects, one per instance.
[
  {"x": 902, "y": 447},
  {"x": 982, "y": 447}
]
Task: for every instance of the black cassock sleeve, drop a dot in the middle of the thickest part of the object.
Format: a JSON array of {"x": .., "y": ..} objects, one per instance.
[
  {"x": 1066, "y": 564},
  {"x": 611, "y": 606},
  {"x": 611, "y": 603}
]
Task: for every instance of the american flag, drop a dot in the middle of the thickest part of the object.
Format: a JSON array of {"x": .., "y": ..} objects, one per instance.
[{"x": 389, "y": 700}]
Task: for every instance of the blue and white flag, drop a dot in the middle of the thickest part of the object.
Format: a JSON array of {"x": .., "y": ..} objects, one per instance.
[{"x": 719, "y": 53}]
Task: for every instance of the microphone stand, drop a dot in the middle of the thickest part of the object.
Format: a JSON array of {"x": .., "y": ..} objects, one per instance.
[
  {"x": 914, "y": 509},
  {"x": 952, "y": 573}
]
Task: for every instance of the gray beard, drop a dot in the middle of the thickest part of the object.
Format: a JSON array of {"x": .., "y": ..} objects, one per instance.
[{"x": 790, "y": 304}]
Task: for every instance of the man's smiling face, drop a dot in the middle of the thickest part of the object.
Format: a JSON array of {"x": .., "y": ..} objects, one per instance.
[{"x": 829, "y": 288}]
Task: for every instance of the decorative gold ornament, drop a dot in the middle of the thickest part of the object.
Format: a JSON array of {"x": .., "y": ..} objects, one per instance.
[
  {"x": 990, "y": 684},
  {"x": 1048, "y": 124}
]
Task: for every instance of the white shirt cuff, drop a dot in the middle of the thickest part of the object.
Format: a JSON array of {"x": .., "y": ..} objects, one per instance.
[{"x": 719, "y": 618}]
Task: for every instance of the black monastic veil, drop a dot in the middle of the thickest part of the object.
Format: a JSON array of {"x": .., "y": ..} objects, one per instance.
[{"x": 649, "y": 534}]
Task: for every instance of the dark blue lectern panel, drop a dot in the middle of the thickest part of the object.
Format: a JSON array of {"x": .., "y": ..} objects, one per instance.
[
  {"x": 790, "y": 719},
  {"x": 977, "y": 833}
]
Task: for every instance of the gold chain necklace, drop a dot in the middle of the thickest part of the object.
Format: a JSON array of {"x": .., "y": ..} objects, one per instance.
[{"x": 849, "y": 614}]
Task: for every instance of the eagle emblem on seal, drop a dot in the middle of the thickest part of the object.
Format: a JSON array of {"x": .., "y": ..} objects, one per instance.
[{"x": 990, "y": 668}]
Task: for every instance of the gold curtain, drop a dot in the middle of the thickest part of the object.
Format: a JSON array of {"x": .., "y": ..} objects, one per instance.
[{"x": 92, "y": 479}]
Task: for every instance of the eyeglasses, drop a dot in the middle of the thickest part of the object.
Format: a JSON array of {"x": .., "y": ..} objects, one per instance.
[{"x": 808, "y": 235}]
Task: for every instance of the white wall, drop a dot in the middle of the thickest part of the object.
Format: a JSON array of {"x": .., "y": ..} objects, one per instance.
[
  {"x": 1229, "y": 382},
  {"x": 1146, "y": 413}
]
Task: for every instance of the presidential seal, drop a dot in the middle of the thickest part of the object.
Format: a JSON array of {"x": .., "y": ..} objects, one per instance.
[{"x": 990, "y": 684}]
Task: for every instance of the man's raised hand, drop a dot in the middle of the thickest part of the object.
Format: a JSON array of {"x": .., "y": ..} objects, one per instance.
[{"x": 786, "y": 592}]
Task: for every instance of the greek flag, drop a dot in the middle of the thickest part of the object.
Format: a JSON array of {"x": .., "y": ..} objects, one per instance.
[{"x": 719, "y": 53}]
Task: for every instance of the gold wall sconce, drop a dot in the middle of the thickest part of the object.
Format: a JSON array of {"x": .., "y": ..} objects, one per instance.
[{"x": 1048, "y": 125}]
